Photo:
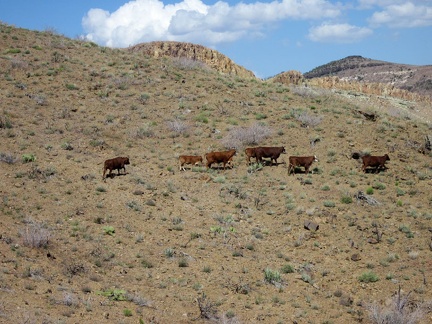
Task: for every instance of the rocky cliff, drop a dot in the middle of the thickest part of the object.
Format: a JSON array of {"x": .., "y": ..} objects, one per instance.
[{"x": 210, "y": 57}]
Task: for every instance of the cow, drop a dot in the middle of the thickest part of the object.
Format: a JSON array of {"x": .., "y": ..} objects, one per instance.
[
  {"x": 250, "y": 153},
  {"x": 269, "y": 152},
  {"x": 376, "y": 162},
  {"x": 117, "y": 163},
  {"x": 301, "y": 161},
  {"x": 189, "y": 159},
  {"x": 220, "y": 157}
]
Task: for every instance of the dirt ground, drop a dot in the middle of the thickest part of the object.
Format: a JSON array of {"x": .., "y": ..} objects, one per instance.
[{"x": 159, "y": 245}]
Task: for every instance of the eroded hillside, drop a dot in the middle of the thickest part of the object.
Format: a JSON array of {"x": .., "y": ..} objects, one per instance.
[
  {"x": 379, "y": 74},
  {"x": 159, "y": 245}
]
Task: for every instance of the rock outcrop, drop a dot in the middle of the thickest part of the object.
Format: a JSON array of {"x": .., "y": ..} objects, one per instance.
[{"x": 210, "y": 57}]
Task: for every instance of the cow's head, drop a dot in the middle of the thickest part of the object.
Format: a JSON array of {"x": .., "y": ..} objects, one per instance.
[{"x": 387, "y": 157}]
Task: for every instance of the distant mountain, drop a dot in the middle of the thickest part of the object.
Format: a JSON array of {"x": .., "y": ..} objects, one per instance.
[{"x": 412, "y": 78}]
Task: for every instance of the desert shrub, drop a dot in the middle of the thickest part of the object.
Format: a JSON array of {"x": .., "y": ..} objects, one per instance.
[
  {"x": 67, "y": 146},
  {"x": 169, "y": 252},
  {"x": 35, "y": 235},
  {"x": 97, "y": 143},
  {"x": 329, "y": 203},
  {"x": 272, "y": 276},
  {"x": 109, "y": 230},
  {"x": 369, "y": 191},
  {"x": 71, "y": 86},
  {"x": 255, "y": 167},
  {"x": 183, "y": 263},
  {"x": 288, "y": 268},
  {"x": 127, "y": 312},
  {"x": 208, "y": 309},
  {"x": 346, "y": 199},
  {"x": 202, "y": 118},
  {"x": 379, "y": 186},
  {"x": 114, "y": 294},
  {"x": 402, "y": 310},
  {"x": 241, "y": 136},
  {"x": 5, "y": 122},
  {"x": 309, "y": 120},
  {"x": 8, "y": 158},
  {"x": 368, "y": 276},
  {"x": 143, "y": 98},
  {"x": 122, "y": 83},
  {"x": 177, "y": 126},
  {"x": 26, "y": 158},
  {"x": 143, "y": 132},
  {"x": 18, "y": 64},
  {"x": 146, "y": 264},
  {"x": 36, "y": 173},
  {"x": 137, "y": 299},
  {"x": 406, "y": 230}
]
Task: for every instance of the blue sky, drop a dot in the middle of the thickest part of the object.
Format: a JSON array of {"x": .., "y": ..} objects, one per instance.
[{"x": 266, "y": 37}]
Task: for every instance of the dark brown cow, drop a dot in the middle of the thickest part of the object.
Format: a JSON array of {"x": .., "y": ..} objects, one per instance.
[
  {"x": 269, "y": 152},
  {"x": 117, "y": 163},
  {"x": 376, "y": 162},
  {"x": 250, "y": 153},
  {"x": 219, "y": 157},
  {"x": 301, "y": 161},
  {"x": 189, "y": 159}
]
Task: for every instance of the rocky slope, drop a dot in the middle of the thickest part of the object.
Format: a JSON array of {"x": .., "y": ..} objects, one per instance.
[
  {"x": 357, "y": 69},
  {"x": 212, "y": 58}
]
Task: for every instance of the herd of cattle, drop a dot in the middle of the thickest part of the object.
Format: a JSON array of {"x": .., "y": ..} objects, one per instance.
[{"x": 226, "y": 158}]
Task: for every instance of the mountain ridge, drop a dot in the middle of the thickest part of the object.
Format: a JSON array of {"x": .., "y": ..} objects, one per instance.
[{"x": 413, "y": 78}]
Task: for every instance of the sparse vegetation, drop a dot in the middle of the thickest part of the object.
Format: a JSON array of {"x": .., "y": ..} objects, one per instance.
[
  {"x": 76, "y": 247},
  {"x": 36, "y": 235}
]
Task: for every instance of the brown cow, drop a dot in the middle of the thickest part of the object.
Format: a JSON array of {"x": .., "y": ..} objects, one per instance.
[
  {"x": 376, "y": 162},
  {"x": 117, "y": 163},
  {"x": 301, "y": 161},
  {"x": 189, "y": 159},
  {"x": 250, "y": 153},
  {"x": 269, "y": 152},
  {"x": 219, "y": 157}
]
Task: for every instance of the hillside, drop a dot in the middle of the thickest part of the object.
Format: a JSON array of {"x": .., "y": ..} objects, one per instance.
[
  {"x": 195, "y": 52},
  {"x": 417, "y": 79},
  {"x": 159, "y": 245}
]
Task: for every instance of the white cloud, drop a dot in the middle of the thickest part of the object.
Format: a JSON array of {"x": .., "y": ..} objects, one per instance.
[
  {"x": 338, "y": 33},
  {"x": 403, "y": 15},
  {"x": 192, "y": 20}
]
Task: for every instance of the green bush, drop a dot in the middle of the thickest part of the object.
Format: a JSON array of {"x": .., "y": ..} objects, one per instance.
[
  {"x": 110, "y": 230},
  {"x": 329, "y": 203},
  {"x": 287, "y": 268},
  {"x": 346, "y": 199},
  {"x": 26, "y": 158},
  {"x": 114, "y": 294},
  {"x": 368, "y": 276},
  {"x": 127, "y": 312},
  {"x": 379, "y": 186},
  {"x": 272, "y": 276}
]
